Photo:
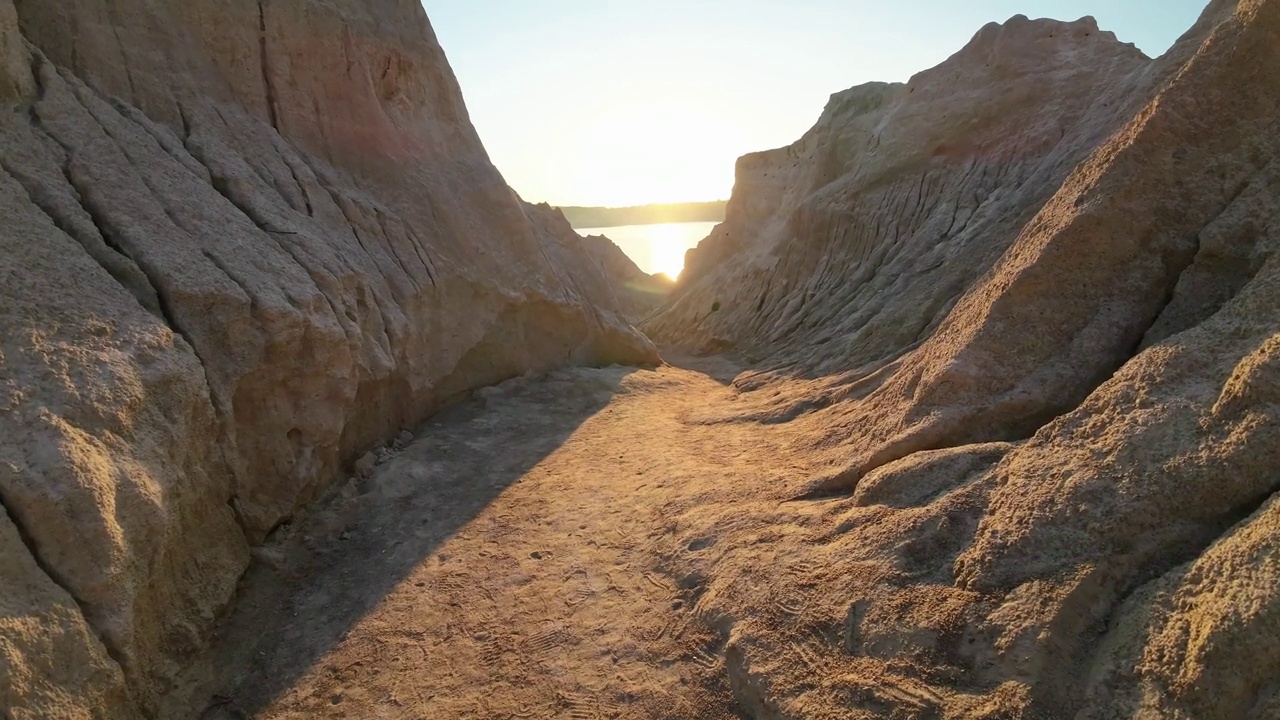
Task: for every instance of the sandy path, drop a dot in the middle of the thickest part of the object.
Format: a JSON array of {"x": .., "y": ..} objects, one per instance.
[{"x": 522, "y": 558}]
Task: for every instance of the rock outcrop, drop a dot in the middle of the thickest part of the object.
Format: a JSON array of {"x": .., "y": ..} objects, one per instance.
[
  {"x": 860, "y": 237},
  {"x": 632, "y": 290},
  {"x": 242, "y": 243},
  {"x": 639, "y": 293},
  {"x": 1028, "y": 303}
]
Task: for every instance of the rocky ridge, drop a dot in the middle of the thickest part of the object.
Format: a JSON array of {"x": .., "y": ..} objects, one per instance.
[
  {"x": 636, "y": 293},
  {"x": 855, "y": 241},
  {"x": 242, "y": 244},
  {"x": 1032, "y": 333},
  {"x": 640, "y": 293}
]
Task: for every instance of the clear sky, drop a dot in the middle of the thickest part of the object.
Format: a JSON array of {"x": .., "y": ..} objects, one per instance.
[{"x": 627, "y": 102}]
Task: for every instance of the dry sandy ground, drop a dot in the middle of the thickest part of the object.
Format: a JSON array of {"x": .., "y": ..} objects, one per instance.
[{"x": 539, "y": 551}]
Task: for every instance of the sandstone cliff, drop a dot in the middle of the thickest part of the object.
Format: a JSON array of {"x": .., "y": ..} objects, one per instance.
[
  {"x": 242, "y": 243},
  {"x": 857, "y": 239},
  {"x": 1026, "y": 303}
]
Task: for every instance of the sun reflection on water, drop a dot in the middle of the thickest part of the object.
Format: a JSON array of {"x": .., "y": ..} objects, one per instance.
[
  {"x": 667, "y": 249},
  {"x": 656, "y": 248}
]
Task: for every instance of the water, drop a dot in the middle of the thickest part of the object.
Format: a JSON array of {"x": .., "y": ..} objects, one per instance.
[{"x": 656, "y": 248}]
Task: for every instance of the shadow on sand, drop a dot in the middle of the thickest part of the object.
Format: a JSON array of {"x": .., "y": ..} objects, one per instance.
[{"x": 307, "y": 589}]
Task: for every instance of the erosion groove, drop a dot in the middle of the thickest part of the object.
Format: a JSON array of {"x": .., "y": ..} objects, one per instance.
[
  {"x": 48, "y": 572},
  {"x": 265, "y": 57}
]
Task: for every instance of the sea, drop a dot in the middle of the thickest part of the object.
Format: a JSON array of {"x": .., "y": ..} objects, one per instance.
[{"x": 656, "y": 248}]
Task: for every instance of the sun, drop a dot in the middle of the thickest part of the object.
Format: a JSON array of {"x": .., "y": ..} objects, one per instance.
[{"x": 667, "y": 250}]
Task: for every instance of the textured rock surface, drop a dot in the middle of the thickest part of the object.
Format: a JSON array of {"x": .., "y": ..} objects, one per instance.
[
  {"x": 241, "y": 244},
  {"x": 1040, "y": 352},
  {"x": 840, "y": 250}
]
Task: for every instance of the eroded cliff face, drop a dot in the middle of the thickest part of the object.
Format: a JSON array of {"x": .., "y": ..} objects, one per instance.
[
  {"x": 854, "y": 242},
  {"x": 242, "y": 243},
  {"x": 1038, "y": 344}
]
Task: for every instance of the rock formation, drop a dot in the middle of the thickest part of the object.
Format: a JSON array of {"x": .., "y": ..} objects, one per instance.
[
  {"x": 1023, "y": 307},
  {"x": 859, "y": 238},
  {"x": 639, "y": 293},
  {"x": 1028, "y": 302},
  {"x": 634, "y": 291},
  {"x": 242, "y": 244}
]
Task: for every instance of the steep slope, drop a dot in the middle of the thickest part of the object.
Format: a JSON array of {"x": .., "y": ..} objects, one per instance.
[
  {"x": 242, "y": 244},
  {"x": 1053, "y": 475},
  {"x": 862, "y": 235}
]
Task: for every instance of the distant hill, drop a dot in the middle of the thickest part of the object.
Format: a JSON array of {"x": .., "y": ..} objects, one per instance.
[{"x": 600, "y": 217}]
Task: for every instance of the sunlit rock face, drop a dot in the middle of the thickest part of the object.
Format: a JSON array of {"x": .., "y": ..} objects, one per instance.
[
  {"x": 242, "y": 243},
  {"x": 861, "y": 236},
  {"x": 1033, "y": 299}
]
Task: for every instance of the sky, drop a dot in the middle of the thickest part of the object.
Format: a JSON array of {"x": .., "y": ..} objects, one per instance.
[{"x": 628, "y": 102}]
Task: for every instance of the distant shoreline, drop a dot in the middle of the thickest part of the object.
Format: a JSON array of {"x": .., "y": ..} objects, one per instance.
[{"x": 656, "y": 214}]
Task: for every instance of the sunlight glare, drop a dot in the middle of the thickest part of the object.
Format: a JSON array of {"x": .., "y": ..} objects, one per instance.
[
  {"x": 671, "y": 152},
  {"x": 667, "y": 250}
]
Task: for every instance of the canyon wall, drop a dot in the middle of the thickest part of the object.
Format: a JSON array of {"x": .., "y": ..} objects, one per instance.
[
  {"x": 1028, "y": 304},
  {"x": 854, "y": 242},
  {"x": 242, "y": 243}
]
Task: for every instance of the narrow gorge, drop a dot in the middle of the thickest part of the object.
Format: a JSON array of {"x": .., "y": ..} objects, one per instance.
[{"x": 967, "y": 410}]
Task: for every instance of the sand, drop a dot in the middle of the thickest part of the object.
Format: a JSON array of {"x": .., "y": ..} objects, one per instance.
[{"x": 524, "y": 557}]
